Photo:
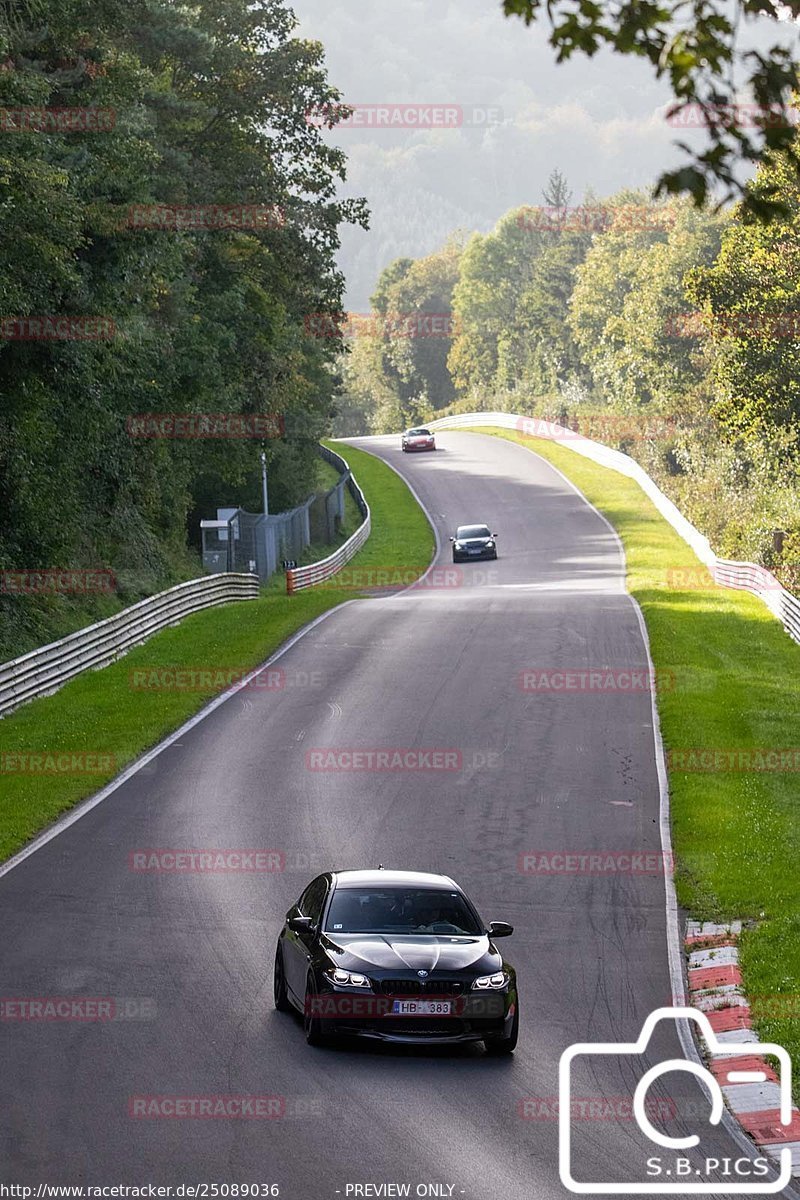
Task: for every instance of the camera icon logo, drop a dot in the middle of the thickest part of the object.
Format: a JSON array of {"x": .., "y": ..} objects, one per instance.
[{"x": 664, "y": 1185}]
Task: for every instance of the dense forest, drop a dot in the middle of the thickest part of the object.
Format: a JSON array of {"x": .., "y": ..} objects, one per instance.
[
  {"x": 169, "y": 221},
  {"x": 668, "y": 331}
]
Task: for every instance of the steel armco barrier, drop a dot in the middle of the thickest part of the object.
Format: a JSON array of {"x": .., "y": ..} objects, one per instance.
[
  {"x": 744, "y": 576},
  {"x": 318, "y": 572},
  {"x": 43, "y": 671}
]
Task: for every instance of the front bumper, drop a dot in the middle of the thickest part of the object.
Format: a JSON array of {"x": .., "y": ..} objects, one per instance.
[
  {"x": 473, "y": 1017},
  {"x": 411, "y": 447},
  {"x": 463, "y": 556}
]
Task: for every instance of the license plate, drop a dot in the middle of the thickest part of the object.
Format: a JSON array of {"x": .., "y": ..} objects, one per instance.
[
  {"x": 421, "y": 1008},
  {"x": 478, "y": 551}
]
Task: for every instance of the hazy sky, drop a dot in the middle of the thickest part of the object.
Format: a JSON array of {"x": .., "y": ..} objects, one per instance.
[{"x": 600, "y": 121}]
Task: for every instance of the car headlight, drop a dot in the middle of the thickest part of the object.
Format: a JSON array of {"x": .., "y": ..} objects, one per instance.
[
  {"x": 490, "y": 983},
  {"x": 490, "y": 545},
  {"x": 348, "y": 978},
  {"x": 458, "y": 545}
]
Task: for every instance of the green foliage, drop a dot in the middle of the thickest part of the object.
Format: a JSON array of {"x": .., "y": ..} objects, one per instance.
[
  {"x": 209, "y": 105},
  {"x": 750, "y": 299},
  {"x": 630, "y": 300},
  {"x": 654, "y": 327},
  {"x": 489, "y": 348},
  {"x": 735, "y": 834},
  {"x": 102, "y": 709},
  {"x": 396, "y": 372}
]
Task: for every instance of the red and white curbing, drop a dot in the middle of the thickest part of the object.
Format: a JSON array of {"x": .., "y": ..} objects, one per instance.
[{"x": 715, "y": 988}]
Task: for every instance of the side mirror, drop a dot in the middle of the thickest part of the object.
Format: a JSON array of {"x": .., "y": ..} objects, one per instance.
[
  {"x": 500, "y": 929},
  {"x": 494, "y": 535},
  {"x": 300, "y": 924},
  {"x": 452, "y": 539}
]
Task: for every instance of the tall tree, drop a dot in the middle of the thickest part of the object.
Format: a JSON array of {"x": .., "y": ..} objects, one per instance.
[
  {"x": 208, "y": 106},
  {"x": 749, "y": 302},
  {"x": 496, "y": 269}
]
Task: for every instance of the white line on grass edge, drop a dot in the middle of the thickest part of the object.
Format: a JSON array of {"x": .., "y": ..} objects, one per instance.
[
  {"x": 674, "y": 943},
  {"x": 674, "y": 948},
  {"x": 86, "y": 806}
]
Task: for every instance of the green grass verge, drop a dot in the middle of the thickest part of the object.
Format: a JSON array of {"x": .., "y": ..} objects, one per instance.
[
  {"x": 102, "y": 713},
  {"x": 736, "y": 678}
]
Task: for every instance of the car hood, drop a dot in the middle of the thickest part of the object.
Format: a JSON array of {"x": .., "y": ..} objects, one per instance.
[
  {"x": 387, "y": 952},
  {"x": 482, "y": 541}
]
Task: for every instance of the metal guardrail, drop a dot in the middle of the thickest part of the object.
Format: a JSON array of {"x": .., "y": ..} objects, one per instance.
[
  {"x": 744, "y": 576},
  {"x": 318, "y": 572},
  {"x": 43, "y": 671}
]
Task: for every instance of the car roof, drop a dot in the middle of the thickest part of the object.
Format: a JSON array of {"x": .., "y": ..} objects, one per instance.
[{"x": 386, "y": 878}]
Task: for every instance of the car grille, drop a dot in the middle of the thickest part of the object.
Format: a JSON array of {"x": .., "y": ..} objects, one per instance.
[
  {"x": 423, "y": 1028},
  {"x": 421, "y": 987}
]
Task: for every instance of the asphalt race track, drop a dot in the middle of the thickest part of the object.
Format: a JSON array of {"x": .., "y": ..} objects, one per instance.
[{"x": 434, "y": 667}]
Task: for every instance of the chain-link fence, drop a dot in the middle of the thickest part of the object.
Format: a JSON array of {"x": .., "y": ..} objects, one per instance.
[{"x": 262, "y": 544}]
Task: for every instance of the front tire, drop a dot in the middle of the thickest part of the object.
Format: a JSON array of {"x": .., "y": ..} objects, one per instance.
[
  {"x": 279, "y": 984},
  {"x": 313, "y": 1026},
  {"x": 497, "y": 1046}
]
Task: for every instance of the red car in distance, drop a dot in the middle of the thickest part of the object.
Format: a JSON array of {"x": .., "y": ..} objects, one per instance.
[{"x": 417, "y": 439}]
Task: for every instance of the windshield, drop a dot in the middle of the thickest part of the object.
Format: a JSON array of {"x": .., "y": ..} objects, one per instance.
[
  {"x": 472, "y": 531},
  {"x": 419, "y": 433},
  {"x": 400, "y": 910}
]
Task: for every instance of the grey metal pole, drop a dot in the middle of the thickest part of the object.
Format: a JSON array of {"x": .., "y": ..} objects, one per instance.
[{"x": 264, "y": 482}]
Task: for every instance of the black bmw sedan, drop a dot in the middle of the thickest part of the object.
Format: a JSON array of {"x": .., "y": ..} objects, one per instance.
[{"x": 400, "y": 956}]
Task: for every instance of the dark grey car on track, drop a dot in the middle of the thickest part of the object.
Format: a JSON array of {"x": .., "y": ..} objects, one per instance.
[
  {"x": 474, "y": 541},
  {"x": 400, "y": 956}
]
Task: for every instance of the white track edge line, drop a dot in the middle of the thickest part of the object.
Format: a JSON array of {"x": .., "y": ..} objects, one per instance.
[
  {"x": 86, "y": 806},
  {"x": 437, "y": 540},
  {"x": 674, "y": 942}
]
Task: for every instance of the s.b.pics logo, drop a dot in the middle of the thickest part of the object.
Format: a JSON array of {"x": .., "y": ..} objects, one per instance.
[{"x": 674, "y": 1158}]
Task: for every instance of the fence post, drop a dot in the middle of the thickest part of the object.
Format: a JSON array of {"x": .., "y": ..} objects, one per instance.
[{"x": 290, "y": 583}]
